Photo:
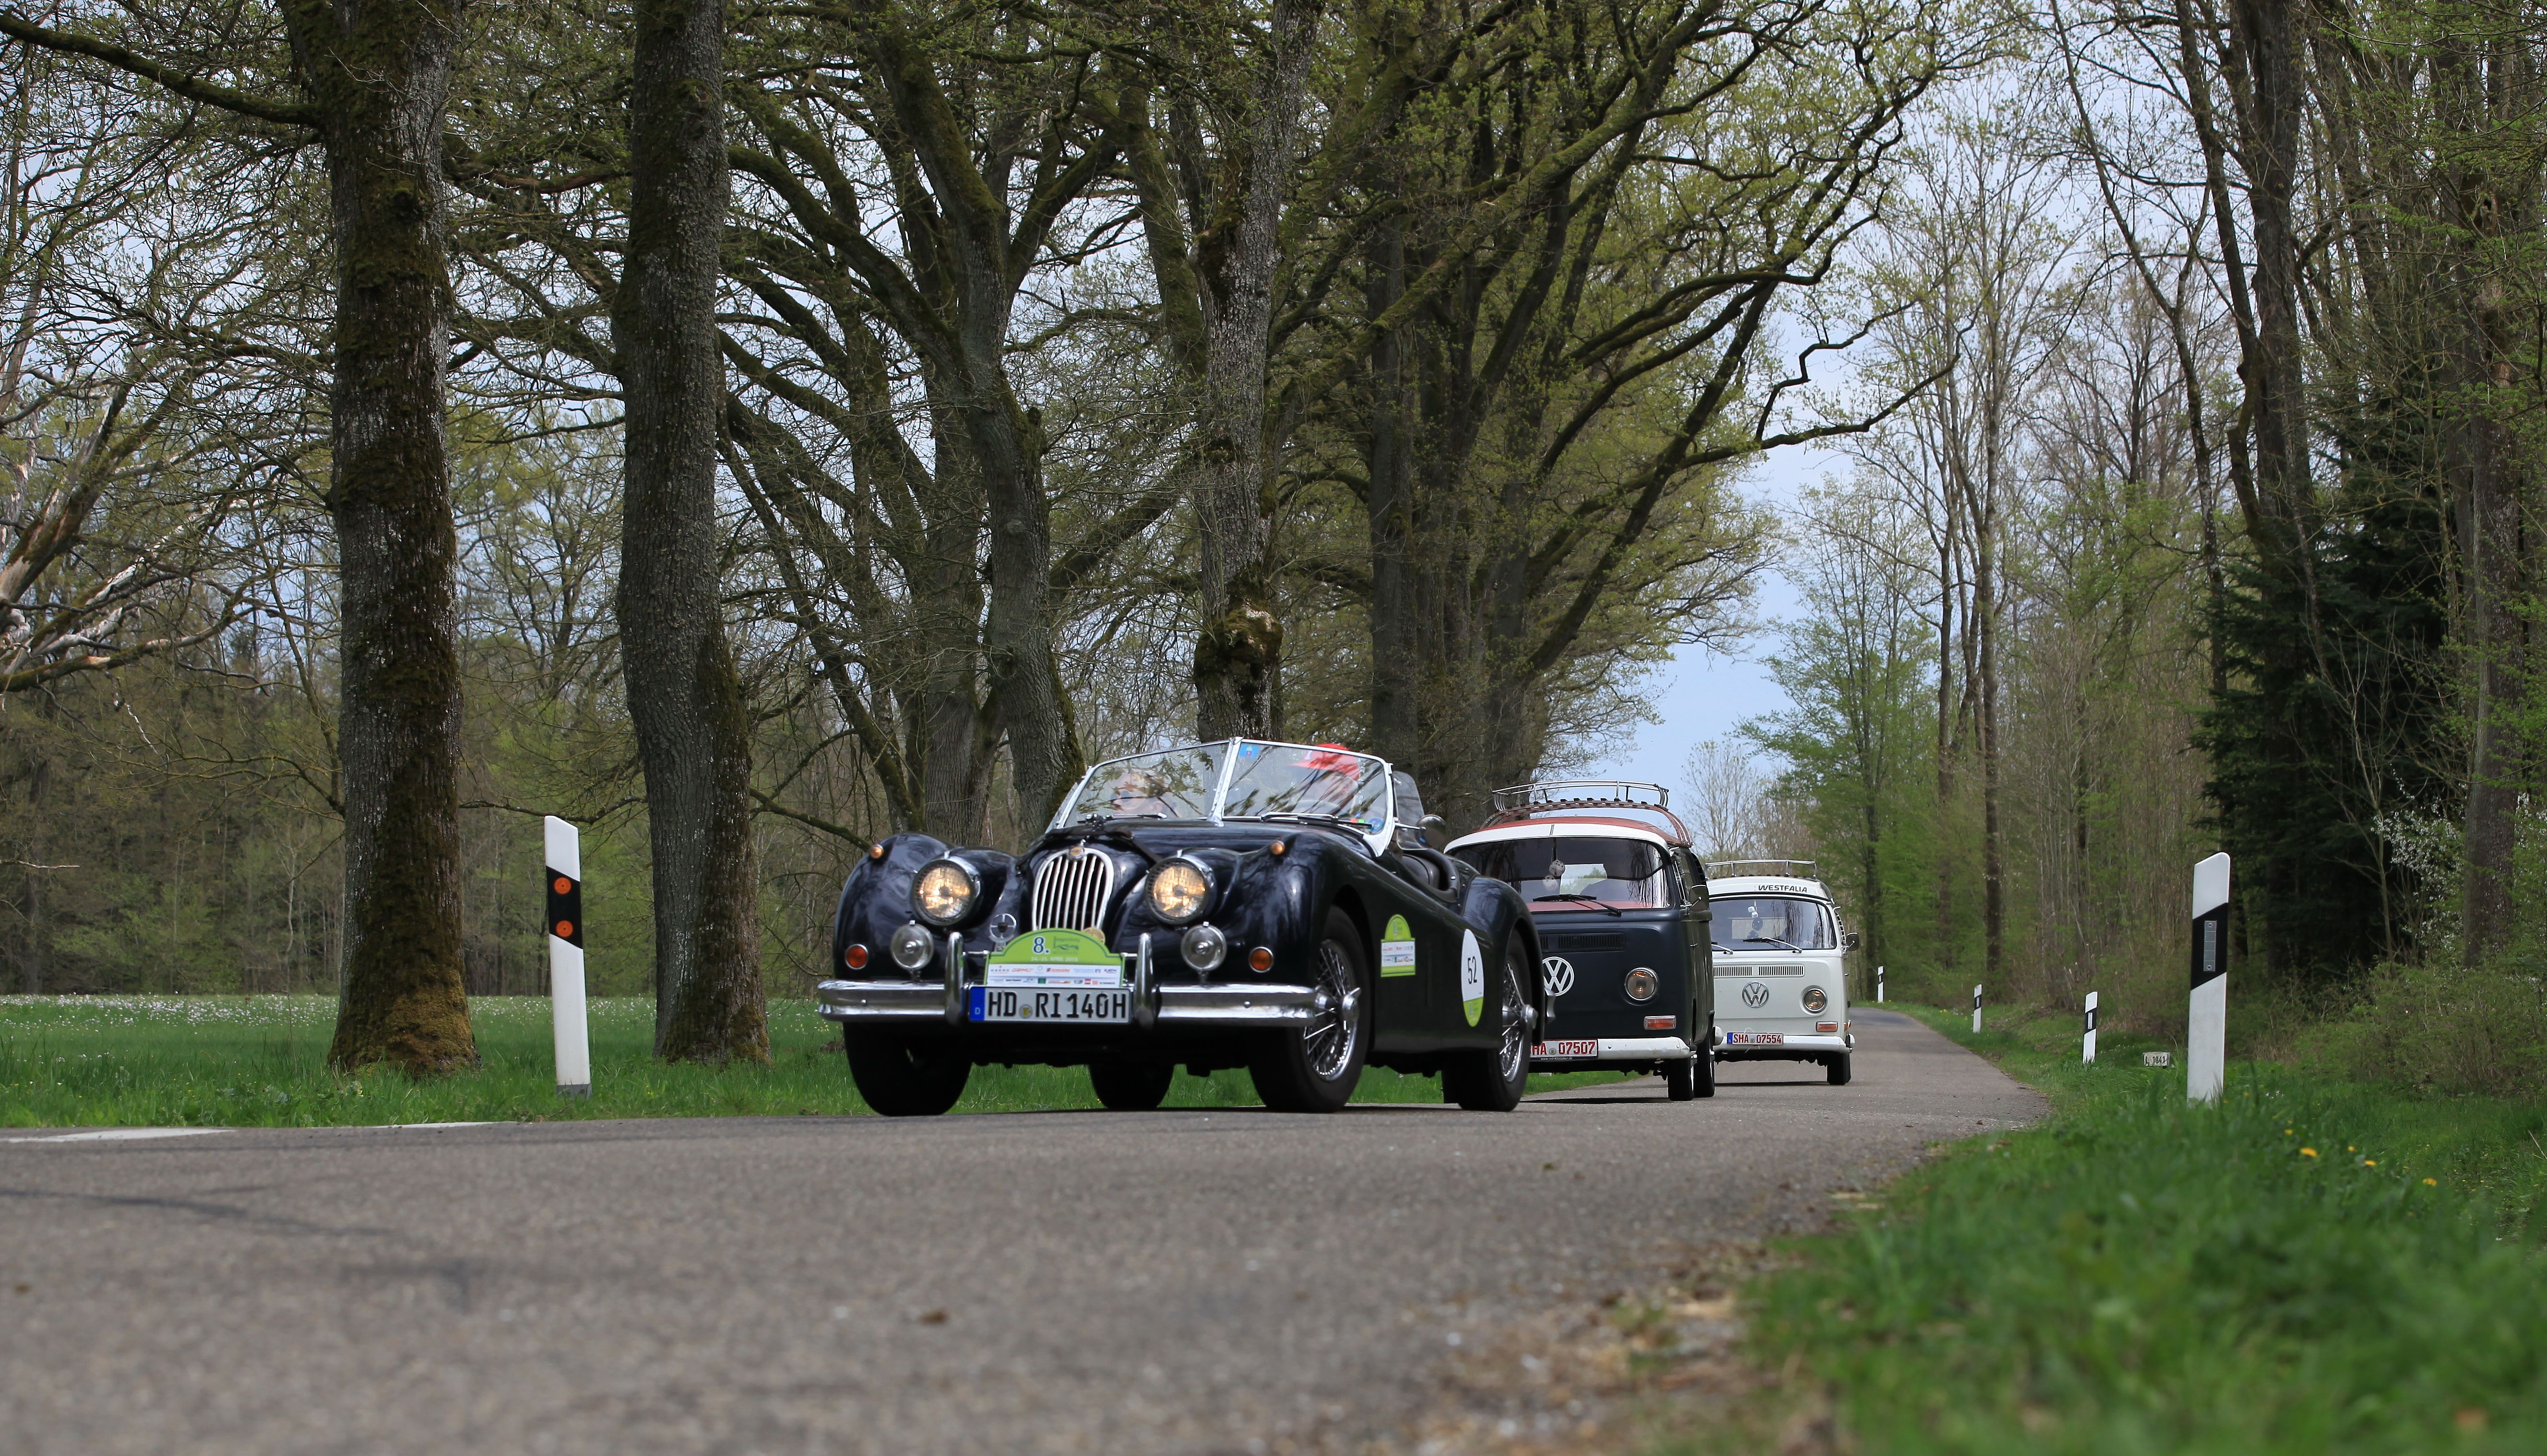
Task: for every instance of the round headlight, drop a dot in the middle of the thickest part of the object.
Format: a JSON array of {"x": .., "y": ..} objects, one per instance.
[
  {"x": 911, "y": 947},
  {"x": 1642, "y": 983},
  {"x": 1177, "y": 891},
  {"x": 944, "y": 890},
  {"x": 1815, "y": 1000},
  {"x": 1204, "y": 948}
]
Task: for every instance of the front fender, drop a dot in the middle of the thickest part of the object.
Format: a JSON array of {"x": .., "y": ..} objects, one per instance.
[{"x": 1499, "y": 912}]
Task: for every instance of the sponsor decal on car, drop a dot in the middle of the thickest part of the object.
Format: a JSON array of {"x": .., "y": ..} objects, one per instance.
[
  {"x": 1397, "y": 948},
  {"x": 1055, "y": 957},
  {"x": 1472, "y": 977}
]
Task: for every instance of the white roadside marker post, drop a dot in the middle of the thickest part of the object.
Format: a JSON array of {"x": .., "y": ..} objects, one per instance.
[
  {"x": 565, "y": 888},
  {"x": 1977, "y": 1007},
  {"x": 1879, "y": 986},
  {"x": 2087, "y": 1057},
  {"x": 2207, "y": 1025}
]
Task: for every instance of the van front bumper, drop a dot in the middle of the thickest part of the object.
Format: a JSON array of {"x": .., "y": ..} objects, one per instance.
[
  {"x": 1790, "y": 1044},
  {"x": 1576, "y": 1054}
]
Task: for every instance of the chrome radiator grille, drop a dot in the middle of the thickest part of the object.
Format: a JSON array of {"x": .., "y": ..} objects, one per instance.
[{"x": 1071, "y": 891}]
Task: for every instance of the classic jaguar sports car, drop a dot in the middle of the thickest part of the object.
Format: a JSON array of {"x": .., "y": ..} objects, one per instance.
[{"x": 1241, "y": 903}]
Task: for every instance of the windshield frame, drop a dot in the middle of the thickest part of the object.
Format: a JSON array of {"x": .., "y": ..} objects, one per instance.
[{"x": 1228, "y": 748}]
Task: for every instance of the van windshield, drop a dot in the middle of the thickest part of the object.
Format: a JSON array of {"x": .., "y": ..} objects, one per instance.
[
  {"x": 1766, "y": 923},
  {"x": 1625, "y": 874}
]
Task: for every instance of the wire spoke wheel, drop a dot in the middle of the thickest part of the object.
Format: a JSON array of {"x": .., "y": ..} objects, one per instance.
[
  {"x": 1333, "y": 1029},
  {"x": 1516, "y": 1042}
]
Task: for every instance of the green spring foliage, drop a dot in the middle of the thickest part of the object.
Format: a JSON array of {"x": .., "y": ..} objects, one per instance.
[{"x": 2313, "y": 1266}]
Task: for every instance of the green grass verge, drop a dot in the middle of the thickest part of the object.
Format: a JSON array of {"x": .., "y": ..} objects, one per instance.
[
  {"x": 261, "y": 1061},
  {"x": 2312, "y": 1266}
]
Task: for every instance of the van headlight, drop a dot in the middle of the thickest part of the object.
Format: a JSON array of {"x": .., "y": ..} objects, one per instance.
[
  {"x": 1814, "y": 999},
  {"x": 1179, "y": 891},
  {"x": 1642, "y": 983},
  {"x": 944, "y": 890}
]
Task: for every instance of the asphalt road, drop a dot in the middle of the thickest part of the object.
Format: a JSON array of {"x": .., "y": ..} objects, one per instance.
[{"x": 1031, "y": 1283}]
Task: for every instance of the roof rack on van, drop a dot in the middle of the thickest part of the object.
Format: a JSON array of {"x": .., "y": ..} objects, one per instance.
[
  {"x": 1525, "y": 801},
  {"x": 1730, "y": 869}
]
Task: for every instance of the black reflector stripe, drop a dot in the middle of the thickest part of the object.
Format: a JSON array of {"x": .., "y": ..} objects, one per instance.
[{"x": 566, "y": 908}]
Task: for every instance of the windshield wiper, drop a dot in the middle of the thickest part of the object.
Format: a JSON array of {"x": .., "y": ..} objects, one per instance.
[
  {"x": 1307, "y": 815},
  {"x": 1584, "y": 898},
  {"x": 1769, "y": 940}
]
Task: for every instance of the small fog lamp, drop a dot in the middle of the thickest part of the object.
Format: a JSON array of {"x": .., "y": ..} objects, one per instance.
[
  {"x": 912, "y": 948},
  {"x": 1642, "y": 983},
  {"x": 1204, "y": 948},
  {"x": 1177, "y": 889},
  {"x": 944, "y": 890}
]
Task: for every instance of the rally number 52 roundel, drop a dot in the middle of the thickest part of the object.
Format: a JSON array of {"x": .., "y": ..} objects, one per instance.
[{"x": 1472, "y": 977}]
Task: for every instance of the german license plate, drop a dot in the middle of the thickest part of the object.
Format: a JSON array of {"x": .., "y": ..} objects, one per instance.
[
  {"x": 1552, "y": 1050},
  {"x": 1020, "y": 1003},
  {"x": 1755, "y": 1039}
]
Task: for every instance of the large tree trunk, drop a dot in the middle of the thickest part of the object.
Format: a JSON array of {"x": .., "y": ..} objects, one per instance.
[
  {"x": 1396, "y": 723},
  {"x": 378, "y": 75},
  {"x": 1238, "y": 651},
  {"x": 693, "y": 727}
]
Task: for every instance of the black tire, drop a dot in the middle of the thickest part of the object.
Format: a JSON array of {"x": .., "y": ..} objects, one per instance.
[
  {"x": 902, "y": 1079},
  {"x": 1837, "y": 1067},
  {"x": 1703, "y": 1072},
  {"x": 1315, "y": 1069},
  {"x": 1492, "y": 1078},
  {"x": 1680, "y": 1080},
  {"x": 1132, "y": 1087}
]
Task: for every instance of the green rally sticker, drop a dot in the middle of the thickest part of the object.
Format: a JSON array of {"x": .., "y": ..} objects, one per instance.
[
  {"x": 1472, "y": 977},
  {"x": 1055, "y": 957},
  {"x": 1397, "y": 948}
]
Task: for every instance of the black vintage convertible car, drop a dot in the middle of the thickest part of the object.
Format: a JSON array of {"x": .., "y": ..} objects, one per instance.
[{"x": 1242, "y": 904}]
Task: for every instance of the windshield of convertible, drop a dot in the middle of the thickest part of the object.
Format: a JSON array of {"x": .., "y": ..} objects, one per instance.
[
  {"x": 1267, "y": 781},
  {"x": 1770, "y": 924},
  {"x": 1624, "y": 874}
]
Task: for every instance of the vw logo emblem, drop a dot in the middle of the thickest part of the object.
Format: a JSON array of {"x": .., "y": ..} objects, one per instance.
[
  {"x": 1755, "y": 995},
  {"x": 1560, "y": 975}
]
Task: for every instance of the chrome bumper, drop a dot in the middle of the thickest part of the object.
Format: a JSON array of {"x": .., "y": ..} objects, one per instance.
[
  {"x": 915, "y": 1002},
  {"x": 1798, "y": 1041},
  {"x": 1622, "y": 1048}
]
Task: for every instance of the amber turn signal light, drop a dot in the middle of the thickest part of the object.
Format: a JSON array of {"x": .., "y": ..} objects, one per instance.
[
  {"x": 875, "y": 851},
  {"x": 1261, "y": 959},
  {"x": 855, "y": 957}
]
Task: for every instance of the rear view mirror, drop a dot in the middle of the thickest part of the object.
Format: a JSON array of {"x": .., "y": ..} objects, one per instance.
[{"x": 1849, "y": 940}]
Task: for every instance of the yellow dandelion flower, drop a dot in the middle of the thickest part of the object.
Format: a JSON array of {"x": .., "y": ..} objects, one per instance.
[
  {"x": 2349, "y": 1147},
  {"x": 2286, "y": 1132},
  {"x": 2308, "y": 1153},
  {"x": 2370, "y": 1163},
  {"x": 2432, "y": 1182}
]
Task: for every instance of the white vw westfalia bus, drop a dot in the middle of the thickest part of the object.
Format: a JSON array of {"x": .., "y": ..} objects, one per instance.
[{"x": 1781, "y": 976}]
